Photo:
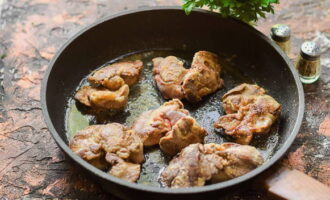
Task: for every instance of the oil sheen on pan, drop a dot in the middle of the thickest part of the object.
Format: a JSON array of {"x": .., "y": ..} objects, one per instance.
[{"x": 145, "y": 96}]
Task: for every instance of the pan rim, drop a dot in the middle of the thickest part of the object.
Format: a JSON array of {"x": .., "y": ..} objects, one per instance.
[{"x": 218, "y": 186}]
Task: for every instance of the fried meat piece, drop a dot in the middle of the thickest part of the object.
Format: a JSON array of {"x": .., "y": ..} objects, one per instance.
[
  {"x": 116, "y": 75},
  {"x": 170, "y": 126},
  {"x": 239, "y": 96},
  {"x": 174, "y": 81},
  {"x": 86, "y": 143},
  {"x": 110, "y": 86},
  {"x": 121, "y": 147},
  {"x": 152, "y": 125},
  {"x": 239, "y": 159},
  {"x": 184, "y": 170},
  {"x": 121, "y": 169},
  {"x": 102, "y": 98},
  {"x": 168, "y": 74},
  {"x": 184, "y": 132},
  {"x": 122, "y": 141},
  {"x": 197, "y": 163},
  {"x": 249, "y": 111},
  {"x": 203, "y": 77}
]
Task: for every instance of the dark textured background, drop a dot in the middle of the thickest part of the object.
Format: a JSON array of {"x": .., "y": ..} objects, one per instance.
[{"x": 31, "y": 31}]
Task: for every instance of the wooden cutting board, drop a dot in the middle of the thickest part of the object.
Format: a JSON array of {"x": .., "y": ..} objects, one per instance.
[{"x": 285, "y": 183}]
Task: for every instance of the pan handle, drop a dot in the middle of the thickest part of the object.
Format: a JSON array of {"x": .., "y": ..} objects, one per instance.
[{"x": 285, "y": 183}]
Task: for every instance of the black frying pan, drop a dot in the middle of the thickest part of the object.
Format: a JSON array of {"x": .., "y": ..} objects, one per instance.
[{"x": 246, "y": 55}]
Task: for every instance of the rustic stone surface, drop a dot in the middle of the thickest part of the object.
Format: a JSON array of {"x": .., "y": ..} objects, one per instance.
[
  {"x": 325, "y": 127},
  {"x": 310, "y": 152},
  {"x": 31, "y": 31}
]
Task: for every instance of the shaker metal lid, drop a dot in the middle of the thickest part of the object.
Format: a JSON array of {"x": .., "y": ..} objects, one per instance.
[
  {"x": 280, "y": 32},
  {"x": 310, "y": 50}
]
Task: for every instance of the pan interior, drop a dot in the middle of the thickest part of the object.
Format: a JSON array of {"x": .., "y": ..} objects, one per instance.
[{"x": 145, "y": 96}]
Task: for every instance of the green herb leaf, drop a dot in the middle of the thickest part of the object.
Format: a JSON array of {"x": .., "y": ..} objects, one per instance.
[{"x": 245, "y": 10}]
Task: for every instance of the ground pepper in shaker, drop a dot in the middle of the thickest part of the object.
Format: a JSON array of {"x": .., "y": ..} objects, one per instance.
[
  {"x": 308, "y": 63},
  {"x": 281, "y": 33}
]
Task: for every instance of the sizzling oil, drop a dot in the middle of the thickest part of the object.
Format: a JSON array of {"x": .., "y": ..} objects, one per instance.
[{"x": 145, "y": 96}]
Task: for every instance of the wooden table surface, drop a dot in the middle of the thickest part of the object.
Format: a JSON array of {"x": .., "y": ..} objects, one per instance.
[{"x": 31, "y": 31}]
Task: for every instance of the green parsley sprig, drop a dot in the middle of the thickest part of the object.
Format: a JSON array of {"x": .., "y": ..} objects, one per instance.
[{"x": 245, "y": 10}]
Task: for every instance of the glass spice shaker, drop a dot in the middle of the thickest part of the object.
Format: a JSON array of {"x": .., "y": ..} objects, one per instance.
[
  {"x": 308, "y": 63},
  {"x": 281, "y": 33}
]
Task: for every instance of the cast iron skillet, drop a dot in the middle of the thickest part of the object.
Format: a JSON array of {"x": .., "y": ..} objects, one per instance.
[{"x": 170, "y": 28}]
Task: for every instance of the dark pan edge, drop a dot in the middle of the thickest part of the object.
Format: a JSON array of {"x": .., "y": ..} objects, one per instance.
[{"x": 141, "y": 187}]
